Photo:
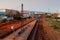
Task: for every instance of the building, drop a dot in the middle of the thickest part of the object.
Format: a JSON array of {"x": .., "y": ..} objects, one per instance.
[
  {"x": 58, "y": 18},
  {"x": 25, "y": 14},
  {"x": 11, "y": 13},
  {"x": 54, "y": 15}
]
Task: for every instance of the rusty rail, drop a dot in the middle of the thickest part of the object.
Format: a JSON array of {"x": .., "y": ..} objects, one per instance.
[
  {"x": 2, "y": 36},
  {"x": 38, "y": 32}
]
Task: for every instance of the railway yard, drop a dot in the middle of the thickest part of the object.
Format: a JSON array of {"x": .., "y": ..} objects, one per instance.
[
  {"x": 28, "y": 29},
  {"x": 21, "y": 24}
]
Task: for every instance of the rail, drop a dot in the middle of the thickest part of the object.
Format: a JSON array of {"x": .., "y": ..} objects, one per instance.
[
  {"x": 15, "y": 29},
  {"x": 22, "y": 33}
]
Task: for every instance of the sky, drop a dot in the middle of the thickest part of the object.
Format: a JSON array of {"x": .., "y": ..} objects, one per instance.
[{"x": 32, "y": 5}]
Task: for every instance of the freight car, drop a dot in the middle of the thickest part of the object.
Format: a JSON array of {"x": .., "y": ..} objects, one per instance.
[{"x": 5, "y": 19}]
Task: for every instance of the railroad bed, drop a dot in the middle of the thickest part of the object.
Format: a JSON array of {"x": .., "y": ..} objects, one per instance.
[
  {"x": 21, "y": 34},
  {"x": 38, "y": 29},
  {"x": 43, "y": 31},
  {"x": 5, "y": 29}
]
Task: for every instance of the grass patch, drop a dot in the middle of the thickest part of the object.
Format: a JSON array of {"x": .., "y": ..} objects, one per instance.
[{"x": 54, "y": 24}]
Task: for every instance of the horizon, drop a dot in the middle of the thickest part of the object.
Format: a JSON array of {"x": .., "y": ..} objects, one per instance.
[{"x": 3, "y": 10}]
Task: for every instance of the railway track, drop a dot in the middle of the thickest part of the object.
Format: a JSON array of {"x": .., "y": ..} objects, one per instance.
[
  {"x": 43, "y": 31},
  {"x": 22, "y": 33},
  {"x": 6, "y": 28},
  {"x": 33, "y": 32},
  {"x": 37, "y": 32},
  {"x": 40, "y": 31},
  {"x": 26, "y": 33}
]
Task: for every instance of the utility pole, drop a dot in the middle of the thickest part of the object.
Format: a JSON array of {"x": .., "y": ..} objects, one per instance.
[
  {"x": 21, "y": 12},
  {"x": 22, "y": 7}
]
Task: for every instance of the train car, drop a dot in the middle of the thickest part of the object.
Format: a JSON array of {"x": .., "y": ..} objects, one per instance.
[
  {"x": 10, "y": 19},
  {"x": 5, "y": 19}
]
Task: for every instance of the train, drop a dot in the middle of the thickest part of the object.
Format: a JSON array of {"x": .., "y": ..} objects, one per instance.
[
  {"x": 5, "y": 19},
  {"x": 16, "y": 16},
  {"x": 10, "y": 15}
]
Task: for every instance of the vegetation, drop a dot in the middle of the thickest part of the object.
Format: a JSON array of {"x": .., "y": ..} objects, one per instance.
[{"x": 54, "y": 24}]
